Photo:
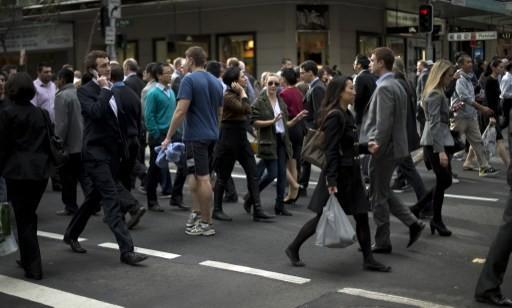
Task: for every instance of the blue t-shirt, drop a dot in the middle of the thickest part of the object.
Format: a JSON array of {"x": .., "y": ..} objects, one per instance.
[{"x": 205, "y": 94}]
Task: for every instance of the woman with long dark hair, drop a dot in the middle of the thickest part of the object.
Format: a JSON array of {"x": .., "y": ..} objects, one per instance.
[
  {"x": 233, "y": 145},
  {"x": 342, "y": 173},
  {"x": 25, "y": 164}
]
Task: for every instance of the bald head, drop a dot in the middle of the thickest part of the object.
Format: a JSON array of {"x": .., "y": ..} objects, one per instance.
[{"x": 130, "y": 66}]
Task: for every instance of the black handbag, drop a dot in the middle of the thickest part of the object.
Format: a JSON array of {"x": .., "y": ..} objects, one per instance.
[
  {"x": 57, "y": 154},
  {"x": 458, "y": 144}
]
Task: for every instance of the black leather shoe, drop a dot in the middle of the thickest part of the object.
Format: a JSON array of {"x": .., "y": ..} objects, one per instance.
[
  {"x": 64, "y": 212},
  {"x": 282, "y": 212},
  {"x": 135, "y": 217},
  {"x": 247, "y": 205},
  {"x": 75, "y": 245},
  {"x": 495, "y": 299},
  {"x": 132, "y": 258},
  {"x": 220, "y": 215},
  {"x": 34, "y": 275},
  {"x": 155, "y": 207},
  {"x": 383, "y": 250},
  {"x": 415, "y": 232},
  {"x": 303, "y": 192},
  {"x": 260, "y": 215},
  {"x": 178, "y": 203},
  {"x": 374, "y": 266},
  {"x": 294, "y": 258}
]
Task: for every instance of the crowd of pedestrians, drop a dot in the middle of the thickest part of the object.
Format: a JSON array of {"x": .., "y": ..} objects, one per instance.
[{"x": 114, "y": 113}]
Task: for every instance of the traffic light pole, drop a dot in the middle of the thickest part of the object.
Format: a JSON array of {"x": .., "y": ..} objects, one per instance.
[{"x": 430, "y": 49}]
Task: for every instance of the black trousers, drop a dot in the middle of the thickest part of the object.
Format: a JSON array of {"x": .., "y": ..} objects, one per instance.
[
  {"x": 104, "y": 188},
  {"x": 70, "y": 176},
  {"x": 406, "y": 170},
  {"x": 496, "y": 263},
  {"x": 305, "y": 173},
  {"x": 154, "y": 172},
  {"x": 25, "y": 196},
  {"x": 127, "y": 166},
  {"x": 233, "y": 146},
  {"x": 179, "y": 179}
]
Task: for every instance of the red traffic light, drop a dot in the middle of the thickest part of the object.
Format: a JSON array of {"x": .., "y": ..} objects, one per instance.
[{"x": 424, "y": 11}]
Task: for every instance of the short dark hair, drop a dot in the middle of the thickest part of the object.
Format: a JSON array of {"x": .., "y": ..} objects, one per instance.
[
  {"x": 116, "y": 73},
  {"x": 90, "y": 59},
  {"x": 290, "y": 76},
  {"x": 363, "y": 61},
  {"x": 385, "y": 54},
  {"x": 131, "y": 65},
  {"x": 213, "y": 67},
  {"x": 233, "y": 62},
  {"x": 325, "y": 69},
  {"x": 309, "y": 66},
  {"x": 158, "y": 69},
  {"x": 197, "y": 54},
  {"x": 66, "y": 74},
  {"x": 41, "y": 65},
  {"x": 232, "y": 74},
  {"x": 461, "y": 57},
  {"x": 20, "y": 88}
]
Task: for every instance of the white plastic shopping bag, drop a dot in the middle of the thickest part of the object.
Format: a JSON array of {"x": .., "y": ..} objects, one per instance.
[
  {"x": 334, "y": 229},
  {"x": 489, "y": 140},
  {"x": 8, "y": 243}
]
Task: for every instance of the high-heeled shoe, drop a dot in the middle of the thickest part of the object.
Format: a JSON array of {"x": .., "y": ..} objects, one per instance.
[
  {"x": 294, "y": 257},
  {"x": 440, "y": 228},
  {"x": 290, "y": 200}
]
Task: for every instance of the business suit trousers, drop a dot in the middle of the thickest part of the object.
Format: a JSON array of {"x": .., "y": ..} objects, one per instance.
[
  {"x": 127, "y": 166},
  {"x": 25, "y": 196},
  {"x": 155, "y": 174},
  {"x": 383, "y": 199},
  {"x": 496, "y": 262},
  {"x": 406, "y": 170},
  {"x": 3, "y": 190},
  {"x": 105, "y": 189},
  {"x": 70, "y": 175}
]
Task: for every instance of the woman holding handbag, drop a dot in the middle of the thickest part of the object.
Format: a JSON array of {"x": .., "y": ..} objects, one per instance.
[
  {"x": 437, "y": 141},
  {"x": 341, "y": 175},
  {"x": 25, "y": 164}
]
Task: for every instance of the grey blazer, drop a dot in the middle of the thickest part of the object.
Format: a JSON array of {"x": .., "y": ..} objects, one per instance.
[
  {"x": 437, "y": 127},
  {"x": 385, "y": 122},
  {"x": 68, "y": 119}
]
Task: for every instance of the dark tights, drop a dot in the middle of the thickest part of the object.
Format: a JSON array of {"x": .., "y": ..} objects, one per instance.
[{"x": 362, "y": 232}]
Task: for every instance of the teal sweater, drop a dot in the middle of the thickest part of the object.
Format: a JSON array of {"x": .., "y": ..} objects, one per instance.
[{"x": 158, "y": 112}]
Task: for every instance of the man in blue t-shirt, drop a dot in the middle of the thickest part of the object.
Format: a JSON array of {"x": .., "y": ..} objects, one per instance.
[{"x": 200, "y": 100}]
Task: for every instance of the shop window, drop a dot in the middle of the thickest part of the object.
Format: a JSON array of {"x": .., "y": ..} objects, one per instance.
[
  {"x": 130, "y": 49},
  {"x": 167, "y": 49},
  {"x": 367, "y": 42},
  {"x": 241, "y": 46},
  {"x": 313, "y": 45},
  {"x": 397, "y": 44}
]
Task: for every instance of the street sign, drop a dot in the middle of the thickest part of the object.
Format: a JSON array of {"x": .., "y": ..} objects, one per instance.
[
  {"x": 110, "y": 35},
  {"x": 114, "y": 8},
  {"x": 468, "y": 36}
]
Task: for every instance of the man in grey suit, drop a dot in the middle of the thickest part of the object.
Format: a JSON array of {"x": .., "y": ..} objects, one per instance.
[
  {"x": 69, "y": 127},
  {"x": 385, "y": 130}
]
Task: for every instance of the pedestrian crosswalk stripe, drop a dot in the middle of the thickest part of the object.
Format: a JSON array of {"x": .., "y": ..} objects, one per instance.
[
  {"x": 471, "y": 198},
  {"x": 391, "y": 298},
  {"x": 256, "y": 272},
  {"x": 150, "y": 252},
  {"x": 48, "y": 296},
  {"x": 56, "y": 236}
]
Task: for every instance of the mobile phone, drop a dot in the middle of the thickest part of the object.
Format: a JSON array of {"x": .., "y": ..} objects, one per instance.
[{"x": 94, "y": 73}]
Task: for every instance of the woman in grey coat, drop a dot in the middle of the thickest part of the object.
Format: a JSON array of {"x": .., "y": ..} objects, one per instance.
[{"x": 435, "y": 140}]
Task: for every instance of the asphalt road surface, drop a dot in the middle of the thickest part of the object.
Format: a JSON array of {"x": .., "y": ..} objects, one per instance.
[{"x": 244, "y": 265}]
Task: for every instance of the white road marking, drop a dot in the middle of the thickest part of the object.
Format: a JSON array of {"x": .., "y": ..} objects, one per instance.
[
  {"x": 47, "y": 296},
  {"x": 256, "y": 272},
  {"x": 471, "y": 198},
  {"x": 56, "y": 236},
  {"x": 391, "y": 298},
  {"x": 150, "y": 252}
]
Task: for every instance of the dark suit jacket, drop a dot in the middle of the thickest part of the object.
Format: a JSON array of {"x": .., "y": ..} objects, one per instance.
[
  {"x": 24, "y": 144},
  {"x": 313, "y": 101},
  {"x": 413, "y": 139},
  {"x": 136, "y": 84},
  {"x": 364, "y": 86},
  {"x": 130, "y": 115},
  {"x": 102, "y": 133}
]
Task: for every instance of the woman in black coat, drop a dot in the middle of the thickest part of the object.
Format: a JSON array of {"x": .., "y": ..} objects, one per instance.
[
  {"x": 342, "y": 174},
  {"x": 25, "y": 164}
]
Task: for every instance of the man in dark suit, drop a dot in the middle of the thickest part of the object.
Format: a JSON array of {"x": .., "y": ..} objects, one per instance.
[
  {"x": 384, "y": 129},
  {"x": 103, "y": 147},
  {"x": 488, "y": 287},
  {"x": 364, "y": 84},
  {"x": 131, "y": 79},
  {"x": 312, "y": 103}
]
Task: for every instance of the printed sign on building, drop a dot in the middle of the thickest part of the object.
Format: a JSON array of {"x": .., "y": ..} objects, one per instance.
[
  {"x": 41, "y": 37},
  {"x": 312, "y": 17}
]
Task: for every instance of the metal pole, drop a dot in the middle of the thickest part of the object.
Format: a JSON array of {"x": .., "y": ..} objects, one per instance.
[
  {"x": 111, "y": 48},
  {"x": 430, "y": 51}
]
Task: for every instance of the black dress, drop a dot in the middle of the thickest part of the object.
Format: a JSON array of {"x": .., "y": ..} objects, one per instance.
[{"x": 342, "y": 168}]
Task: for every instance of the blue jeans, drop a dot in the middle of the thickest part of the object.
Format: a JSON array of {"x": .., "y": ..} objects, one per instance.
[
  {"x": 3, "y": 190},
  {"x": 276, "y": 168}
]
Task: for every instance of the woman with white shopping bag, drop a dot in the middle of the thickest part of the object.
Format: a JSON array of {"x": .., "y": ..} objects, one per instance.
[{"x": 342, "y": 175}]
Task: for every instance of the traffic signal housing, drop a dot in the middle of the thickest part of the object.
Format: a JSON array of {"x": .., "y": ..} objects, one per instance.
[{"x": 426, "y": 18}]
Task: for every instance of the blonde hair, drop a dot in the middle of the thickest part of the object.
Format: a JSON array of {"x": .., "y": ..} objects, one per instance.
[{"x": 434, "y": 81}]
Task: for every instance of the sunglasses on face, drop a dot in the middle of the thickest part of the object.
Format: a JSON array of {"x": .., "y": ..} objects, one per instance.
[{"x": 273, "y": 83}]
